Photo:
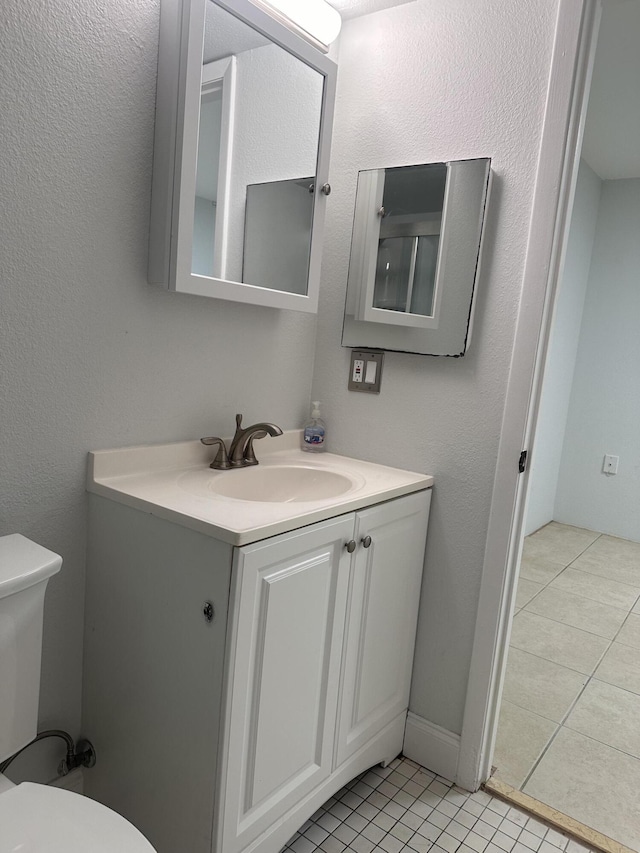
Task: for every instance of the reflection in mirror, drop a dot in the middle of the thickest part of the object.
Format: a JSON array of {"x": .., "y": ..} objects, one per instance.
[
  {"x": 277, "y": 235},
  {"x": 258, "y": 138},
  {"x": 414, "y": 257},
  {"x": 215, "y": 136}
]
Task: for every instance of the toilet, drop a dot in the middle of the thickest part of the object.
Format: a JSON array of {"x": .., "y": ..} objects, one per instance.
[{"x": 40, "y": 818}]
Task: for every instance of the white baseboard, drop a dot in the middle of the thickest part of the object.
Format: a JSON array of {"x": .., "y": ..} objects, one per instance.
[
  {"x": 431, "y": 746},
  {"x": 73, "y": 781}
]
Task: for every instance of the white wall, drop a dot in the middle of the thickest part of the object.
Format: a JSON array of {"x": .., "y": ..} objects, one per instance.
[
  {"x": 91, "y": 355},
  {"x": 604, "y": 413},
  {"x": 426, "y": 82},
  {"x": 563, "y": 349}
]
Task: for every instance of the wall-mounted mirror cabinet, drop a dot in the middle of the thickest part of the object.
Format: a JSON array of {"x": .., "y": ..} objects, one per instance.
[
  {"x": 243, "y": 125},
  {"x": 415, "y": 254}
]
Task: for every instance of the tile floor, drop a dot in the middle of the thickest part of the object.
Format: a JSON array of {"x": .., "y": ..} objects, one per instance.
[
  {"x": 404, "y": 808},
  {"x": 569, "y": 730}
]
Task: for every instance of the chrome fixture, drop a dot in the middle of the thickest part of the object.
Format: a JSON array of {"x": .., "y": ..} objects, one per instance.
[{"x": 241, "y": 451}]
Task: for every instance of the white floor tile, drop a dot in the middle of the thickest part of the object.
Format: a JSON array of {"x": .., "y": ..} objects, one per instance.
[
  {"x": 610, "y": 557},
  {"x": 561, "y": 543},
  {"x": 522, "y": 737},
  {"x": 581, "y": 613},
  {"x": 539, "y": 570},
  {"x": 620, "y": 666},
  {"x": 541, "y": 686},
  {"x": 526, "y": 591},
  {"x": 597, "y": 588},
  {"x": 570, "y": 647},
  {"x": 610, "y": 715},
  {"x": 589, "y": 781},
  {"x": 578, "y": 611},
  {"x": 630, "y": 633}
]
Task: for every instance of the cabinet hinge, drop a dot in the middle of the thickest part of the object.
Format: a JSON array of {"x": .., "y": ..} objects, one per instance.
[{"x": 522, "y": 462}]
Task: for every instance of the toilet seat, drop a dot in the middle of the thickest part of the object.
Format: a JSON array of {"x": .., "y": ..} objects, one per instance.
[{"x": 44, "y": 819}]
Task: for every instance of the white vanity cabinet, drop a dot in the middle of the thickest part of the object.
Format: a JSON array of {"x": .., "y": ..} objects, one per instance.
[
  {"x": 285, "y": 660},
  {"x": 227, "y": 735},
  {"x": 381, "y": 619}
]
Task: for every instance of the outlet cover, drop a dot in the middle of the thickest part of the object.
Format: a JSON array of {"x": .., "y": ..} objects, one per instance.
[{"x": 365, "y": 370}]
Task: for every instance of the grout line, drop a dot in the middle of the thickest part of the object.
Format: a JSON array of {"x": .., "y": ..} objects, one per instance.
[
  {"x": 575, "y": 627},
  {"x": 603, "y": 743},
  {"x": 562, "y": 665},
  {"x": 561, "y": 725}
]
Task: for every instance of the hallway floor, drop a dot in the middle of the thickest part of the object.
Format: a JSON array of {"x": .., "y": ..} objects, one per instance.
[
  {"x": 404, "y": 808},
  {"x": 569, "y": 731}
]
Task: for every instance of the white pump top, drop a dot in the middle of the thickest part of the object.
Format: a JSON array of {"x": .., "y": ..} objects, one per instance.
[
  {"x": 23, "y": 563},
  {"x": 315, "y": 411}
]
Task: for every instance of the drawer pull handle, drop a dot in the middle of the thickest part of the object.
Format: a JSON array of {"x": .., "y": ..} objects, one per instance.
[
  {"x": 366, "y": 541},
  {"x": 208, "y": 612},
  {"x": 351, "y": 546}
]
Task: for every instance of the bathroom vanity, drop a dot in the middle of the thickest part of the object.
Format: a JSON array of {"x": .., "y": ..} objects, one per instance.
[{"x": 245, "y": 658}]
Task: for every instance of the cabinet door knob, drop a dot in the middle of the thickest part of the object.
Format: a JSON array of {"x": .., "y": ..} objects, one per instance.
[
  {"x": 366, "y": 541},
  {"x": 351, "y": 546},
  {"x": 207, "y": 611}
]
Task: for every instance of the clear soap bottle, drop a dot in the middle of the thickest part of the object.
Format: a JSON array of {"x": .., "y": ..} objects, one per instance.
[{"x": 314, "y": 433}]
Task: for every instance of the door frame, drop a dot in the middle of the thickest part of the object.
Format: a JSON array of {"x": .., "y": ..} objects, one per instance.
[{"x": 576, "y": 34}]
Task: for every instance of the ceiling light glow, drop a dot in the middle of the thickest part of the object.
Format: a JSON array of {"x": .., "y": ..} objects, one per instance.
[{"x": 316, "y": 17}]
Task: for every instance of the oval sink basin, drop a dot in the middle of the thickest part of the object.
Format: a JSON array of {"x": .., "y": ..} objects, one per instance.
[{"x": 280, "y": 484}]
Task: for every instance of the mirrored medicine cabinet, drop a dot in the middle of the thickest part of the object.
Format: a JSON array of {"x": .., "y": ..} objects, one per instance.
[
  {"x": 415, "y": 254},
  {"x": 241, "y": 153}
]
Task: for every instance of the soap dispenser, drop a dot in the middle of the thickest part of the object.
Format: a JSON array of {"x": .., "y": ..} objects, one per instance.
[{"x": 314, "y": 432}]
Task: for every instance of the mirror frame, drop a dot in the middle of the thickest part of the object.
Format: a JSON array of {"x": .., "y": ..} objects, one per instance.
[
  {"x": 447, "y": 332},
  {"x": 175, "y": 152}
]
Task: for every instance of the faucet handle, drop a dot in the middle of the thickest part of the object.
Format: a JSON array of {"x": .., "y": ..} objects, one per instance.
[{"x": 221, "y": 459}]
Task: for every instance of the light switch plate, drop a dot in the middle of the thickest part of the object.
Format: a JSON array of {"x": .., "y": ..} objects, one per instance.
[{"x": 365, "y": 370}]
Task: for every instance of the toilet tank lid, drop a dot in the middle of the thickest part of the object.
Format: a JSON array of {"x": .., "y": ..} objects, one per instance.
[{"x": 23, "y": 563}]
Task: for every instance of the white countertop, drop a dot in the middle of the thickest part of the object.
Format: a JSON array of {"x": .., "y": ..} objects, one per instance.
[{"x": 174, "y": 481}]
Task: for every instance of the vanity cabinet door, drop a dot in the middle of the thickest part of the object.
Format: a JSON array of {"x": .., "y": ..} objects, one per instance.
[
  {"x": 382, "y": 613},
  {"x": 286, "y": 645}
]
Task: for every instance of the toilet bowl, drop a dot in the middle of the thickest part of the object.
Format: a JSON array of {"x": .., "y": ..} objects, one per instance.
[
  {"x": 40, "y": 818},
  {"x": 43, "y": 819}
]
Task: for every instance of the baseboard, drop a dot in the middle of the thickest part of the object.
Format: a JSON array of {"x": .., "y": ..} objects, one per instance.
[
  {"x": 73, "y": 781},
  {"x": 431, "y": 746}
]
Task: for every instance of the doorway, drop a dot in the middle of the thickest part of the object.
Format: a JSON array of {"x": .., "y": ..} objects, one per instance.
[{"x": 569, "y": 727}]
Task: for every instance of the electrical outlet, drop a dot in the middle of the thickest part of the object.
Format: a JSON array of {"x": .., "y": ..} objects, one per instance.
[
  {"x": 357, "y": 370},
  {"x": 610, "y": 464}
]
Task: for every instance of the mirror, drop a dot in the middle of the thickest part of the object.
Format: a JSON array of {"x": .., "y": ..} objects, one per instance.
[
  {"x": 415, "y": 254},
  {"x": 236, "y": 207}
]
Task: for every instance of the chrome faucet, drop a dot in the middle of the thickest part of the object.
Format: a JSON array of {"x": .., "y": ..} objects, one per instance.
[{"x": 241, "y": 451}]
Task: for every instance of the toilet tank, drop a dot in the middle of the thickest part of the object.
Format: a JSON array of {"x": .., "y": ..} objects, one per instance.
[{"x": 25, "y": 569}]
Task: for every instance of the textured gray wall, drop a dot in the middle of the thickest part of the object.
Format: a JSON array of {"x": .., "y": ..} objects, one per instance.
[
  {"x": 91, "y": 356},
  {"x": 428, "y": 82}
]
